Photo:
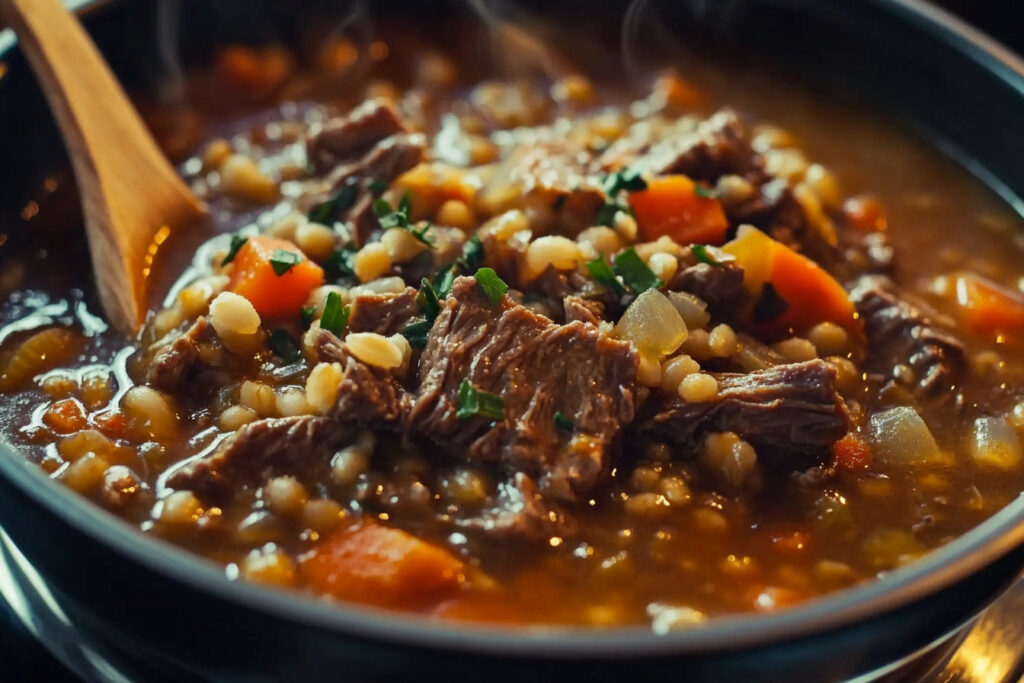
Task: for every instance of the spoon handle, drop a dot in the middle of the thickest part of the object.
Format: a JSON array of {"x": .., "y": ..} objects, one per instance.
[{"x": 129, "y": 190}]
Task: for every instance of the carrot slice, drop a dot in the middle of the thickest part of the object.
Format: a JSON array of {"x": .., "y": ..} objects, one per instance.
[
  {"x": 378, "y": 565},
  {"x": 852, "y": 453},
  {"x": 987, "y": 308},
  {"x": 271, "y": 294},
  {"x": 812, "y": 294},
  {"x": 672, "y": 206}
]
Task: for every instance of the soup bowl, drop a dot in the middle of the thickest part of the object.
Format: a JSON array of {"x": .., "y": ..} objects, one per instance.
[{"x": 118, "y": 605}]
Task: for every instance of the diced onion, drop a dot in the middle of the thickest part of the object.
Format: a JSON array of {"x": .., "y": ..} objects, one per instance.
[
  {"x": 653, "y": 324},
  {"x": 994, "y": 444},
  {"x": 900, "y": 437}
]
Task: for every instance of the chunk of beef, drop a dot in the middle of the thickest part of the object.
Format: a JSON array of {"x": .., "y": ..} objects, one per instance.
[
  {"x": 178, "y": 361},
  {"x": 583, "y": 310},
  {"x": 384, "y": 314},
  {"x": 368, "y": 397},
  {"x": 348, "y": 137},
  {"x": 520, "y": 513},
  {"x": 720, "y": 287},
  {"x": 371, "y": 143},
  {"x": 900, "y": 333},
  {"x": 701, "y": 149},
  {"x": 550, "y": 178},
  {"x": 791, "y": 415},
  {"x": 538, "y": 368}
]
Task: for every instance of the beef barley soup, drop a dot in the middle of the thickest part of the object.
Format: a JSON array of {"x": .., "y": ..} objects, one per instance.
[{"x": 535, "y": 351}]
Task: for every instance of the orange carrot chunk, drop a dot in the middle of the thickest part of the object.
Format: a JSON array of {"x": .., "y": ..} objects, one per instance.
[
  {"x": 852, "y": 453},
  {"x": 378, "y": 565},
  {"x": 987, "y": 308},
  {"x": 274, "y": 294},
  {"x": 672, "y": 206},
  {"x": 811, "y": 294}
]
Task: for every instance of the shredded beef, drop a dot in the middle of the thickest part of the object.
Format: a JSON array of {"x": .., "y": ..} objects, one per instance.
[
  {"x": 553, "y": 174},
  {"x": 370, "y": 144},
  {"x": 368, "y": 397},
  {"x": 791, "y": 415},
  {"x": 538, "y": 368},
  {"x": 703, "y": 150},
  {"x": 900, "y": 333},
  {"x": 347, "y": 137},
  {"x": 384, "y": 314},
  {"x": 583, "y": 310},
  {"x": 720, "y": 287},
  {"x": 178, "y": 361}
]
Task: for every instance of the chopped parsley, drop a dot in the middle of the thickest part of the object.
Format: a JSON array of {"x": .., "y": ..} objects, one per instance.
[
  {"x": 602, "y": 273},
  {"x": 416, "y": 332},
  {"x": 562, "y": 422},
  {"x": 474, "y": 402},
  {"x": 398, "y": 217},
  {"x": 705, "y": 192},
  {"x": 284, "y": 346},
  {"x": 472, "y": 254},
  {"x": 327, "y": 212},
  {"x": 444, "y": 280},
  {"x": 340, "y": 262},
  {"x": 283, "y": 260},
  {"x": 626, "y": 179},
  {"x": 335, "y": 315},
  {"x": 770, "y": 305},
  {"x": 702, "y": 254},
  {"x": 494, "y": 287},
  {"x": 634, "y": 272},
  {"x": 427, "y": 300},
  {"x": 608, "y": 211},
  {"x": 237, "y": 242},
  {"x": 377, "y": 185},
  {"x": 306, "y": 314}
]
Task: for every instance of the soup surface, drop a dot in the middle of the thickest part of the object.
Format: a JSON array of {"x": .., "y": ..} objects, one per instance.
[{"x": 534, "y": 351}]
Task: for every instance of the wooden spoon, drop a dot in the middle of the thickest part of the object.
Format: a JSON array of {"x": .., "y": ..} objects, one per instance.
[{"x": 132, "y": 198}]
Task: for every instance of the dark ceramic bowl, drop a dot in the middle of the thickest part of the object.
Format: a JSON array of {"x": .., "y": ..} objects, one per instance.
[{"x": 111, "y": 600}]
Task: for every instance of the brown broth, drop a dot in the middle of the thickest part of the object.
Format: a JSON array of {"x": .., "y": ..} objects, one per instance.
[{"x": 745, "y": 550}]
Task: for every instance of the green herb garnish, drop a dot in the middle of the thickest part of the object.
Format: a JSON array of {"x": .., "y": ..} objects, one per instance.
[
  {"x": 399, "y": 218},
  {"x": 473, "y": 402},
  {"x": 340, "y": 262},
  {"x": 283, "y": 260},
  {"x": 335, "y": 315},
  {"x": 602, "y": 273},
  {"x": 634, "y": 272},
  {"x": 494, "y": 287},
  {"x": 377, "y": 186},
  {"x": 705, "y": 192},
  {"x": 237, "y": 242},
  {"x": 562, "y": 422},
  {"x": 701, "y": 253},
  {"x": 472, "y": 255},
  {"x": 626, "y": 179},
  {"x": 342, "y": 200},
  {"x": 770, "y": 305},
  {"x": 306, "y": 314},
  {"x": 608, "y": 211},
  {"x": 444, "y": 280},
  {"x": 427, "y": 300},
  {"x": 284, "y": 346},
  {"x": 416, "y": 332}
]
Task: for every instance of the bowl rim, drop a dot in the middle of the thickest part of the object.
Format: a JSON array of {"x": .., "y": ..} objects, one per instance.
[{"x": 939, "y": 569}]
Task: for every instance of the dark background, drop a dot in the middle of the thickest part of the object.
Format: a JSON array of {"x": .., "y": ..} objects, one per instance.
[{"x": 22, "y": 659}]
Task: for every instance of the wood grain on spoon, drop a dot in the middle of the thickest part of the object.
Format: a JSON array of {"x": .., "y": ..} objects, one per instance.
[{"x": 132, "y": 198}]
